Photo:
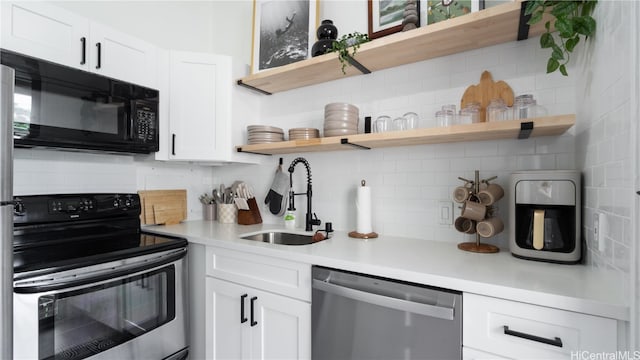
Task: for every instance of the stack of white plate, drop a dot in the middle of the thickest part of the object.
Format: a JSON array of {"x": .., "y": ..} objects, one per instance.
[
  {"x": 340, "y": 119},
  {"x": 260, "y": 134},
  {"x": 303, "y": 133}
]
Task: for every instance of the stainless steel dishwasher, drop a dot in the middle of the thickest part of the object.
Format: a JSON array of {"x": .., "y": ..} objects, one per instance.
[{"x": 357, "y": 316}]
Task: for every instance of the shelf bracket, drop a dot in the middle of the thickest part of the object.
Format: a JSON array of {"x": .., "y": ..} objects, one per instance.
[
  {"x": 358, "y": 66},
  {"x": 523, "y": 26},
  {"x": 253, "y": 88},
  {"x": 251, "y": 152},
  {"x": 525, "y": 130},
  {"x": 345, "y": 141}
]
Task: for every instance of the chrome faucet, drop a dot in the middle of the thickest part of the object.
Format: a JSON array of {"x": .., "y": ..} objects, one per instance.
[{"x": 309, "y": 219}]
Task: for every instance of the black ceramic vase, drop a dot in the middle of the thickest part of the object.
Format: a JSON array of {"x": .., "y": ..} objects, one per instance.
[{"x": 327, "y": 33}]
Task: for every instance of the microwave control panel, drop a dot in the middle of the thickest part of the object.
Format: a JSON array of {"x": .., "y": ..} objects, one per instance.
[{"x": 145, "y": 124}]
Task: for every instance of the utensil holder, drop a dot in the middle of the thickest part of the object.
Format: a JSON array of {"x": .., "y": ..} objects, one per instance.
[
  {"x": 251, "y": 216},
  {"x": 209, "y": 211},
  {"x": 227, "y": 213}
]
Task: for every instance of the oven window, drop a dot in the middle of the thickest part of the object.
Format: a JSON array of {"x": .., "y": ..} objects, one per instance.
[{"x": 81, "y": 323}]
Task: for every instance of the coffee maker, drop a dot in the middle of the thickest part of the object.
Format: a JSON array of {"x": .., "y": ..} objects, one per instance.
[{"x": 545, "y": 214}]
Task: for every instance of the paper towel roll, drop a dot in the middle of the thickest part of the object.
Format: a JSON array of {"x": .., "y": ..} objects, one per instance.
[{"x": 363, "y": 205}]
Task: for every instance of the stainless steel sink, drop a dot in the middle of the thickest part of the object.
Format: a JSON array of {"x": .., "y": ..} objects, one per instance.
[{"x": 282, "y": 238}]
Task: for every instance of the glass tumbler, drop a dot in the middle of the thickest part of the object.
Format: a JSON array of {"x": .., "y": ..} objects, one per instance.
[
  {"x": 400, "y": 123},
  {"x": 412, "y": 120},
  {"x": 497, "y": 110},
  {"x": 382, "y": 123},
  {"x": 472, "y": 110}
]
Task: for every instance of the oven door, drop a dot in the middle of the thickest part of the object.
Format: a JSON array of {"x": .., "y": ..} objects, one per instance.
[{"x": 128, "y": 309}]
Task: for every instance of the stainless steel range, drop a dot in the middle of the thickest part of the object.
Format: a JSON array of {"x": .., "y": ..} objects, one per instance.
[{"x": 88, "y": 283}]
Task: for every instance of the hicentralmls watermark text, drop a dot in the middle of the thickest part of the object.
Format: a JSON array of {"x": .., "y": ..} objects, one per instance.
[{"x": 616, "y": 355}]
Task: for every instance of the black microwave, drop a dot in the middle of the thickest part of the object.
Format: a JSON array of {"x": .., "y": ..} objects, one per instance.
[{"x": 60, "y": 107}]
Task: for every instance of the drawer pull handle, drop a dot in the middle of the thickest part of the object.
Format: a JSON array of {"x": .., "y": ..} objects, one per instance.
[
  {"x": 555, "y": 342},
  {"x": 243, "y": 319}
]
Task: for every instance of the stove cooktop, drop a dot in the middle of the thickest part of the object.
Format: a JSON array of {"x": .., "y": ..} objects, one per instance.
[{"x": 59, "y": 232}]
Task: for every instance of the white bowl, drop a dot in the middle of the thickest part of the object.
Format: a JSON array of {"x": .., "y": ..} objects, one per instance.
[
  {"x": 339, "y": 132},
  {"x": 347, "y": 118},
  {"x": 339, "y": 125},
  {"x": 340, "y": 106}
]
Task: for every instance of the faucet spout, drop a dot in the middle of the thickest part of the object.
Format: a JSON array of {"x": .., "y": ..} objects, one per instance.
[{"x": 309, "y": 220}]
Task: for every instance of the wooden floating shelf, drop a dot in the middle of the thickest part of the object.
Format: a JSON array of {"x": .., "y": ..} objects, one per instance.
[
  {"x": 513, "y": 129},
  {"x": 492, "y": 26}
]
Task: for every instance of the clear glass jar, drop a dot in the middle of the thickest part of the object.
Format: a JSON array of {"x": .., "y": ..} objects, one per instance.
[
  {"x": 470, "y": 113},
  {"x": 497, "y": 110},
  {"x": 524, "y": 107},
  {"x": 445, "y": 118}
]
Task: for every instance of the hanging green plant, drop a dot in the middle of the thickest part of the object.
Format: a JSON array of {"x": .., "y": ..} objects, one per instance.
[
  {"x": 343, "y": 45},
  {"x": 572, "y": 20}
]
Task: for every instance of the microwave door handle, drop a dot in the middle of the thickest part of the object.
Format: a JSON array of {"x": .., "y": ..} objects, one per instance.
[
  {"x": 110, "y": 273},
  {"x": 440, "y": 312}
]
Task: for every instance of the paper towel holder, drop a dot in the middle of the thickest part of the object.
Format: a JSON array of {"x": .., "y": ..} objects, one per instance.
[{"x": 357, "y": 235}]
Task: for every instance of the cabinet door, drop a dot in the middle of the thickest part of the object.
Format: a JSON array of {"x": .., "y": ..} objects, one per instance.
[
  {"x": 120, "y": 56},
  {"x": 199, "y": 109},
  {"x": 283, "y": 329},
  {"x": 226, "y": 336},
  {"x": 473, "y": 354},
  {"x": 45, "y": 31}
]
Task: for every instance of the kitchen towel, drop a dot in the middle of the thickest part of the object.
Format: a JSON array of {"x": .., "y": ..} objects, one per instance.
[
  {"x": 278, "y": 193},
  {"x": 363, "y": 205}
]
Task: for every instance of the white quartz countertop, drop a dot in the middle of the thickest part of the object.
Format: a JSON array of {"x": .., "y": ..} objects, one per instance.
[{"x": 576, "y": 288}]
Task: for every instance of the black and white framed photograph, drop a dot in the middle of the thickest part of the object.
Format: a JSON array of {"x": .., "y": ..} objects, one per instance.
[{"x": 283, "y": 32}]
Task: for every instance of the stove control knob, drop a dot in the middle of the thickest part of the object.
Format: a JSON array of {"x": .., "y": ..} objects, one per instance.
[{"x": 18, "y": 208}]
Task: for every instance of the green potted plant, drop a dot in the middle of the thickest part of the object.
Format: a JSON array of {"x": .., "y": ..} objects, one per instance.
[
  {"x": 347, "y": 46},
  {"x": 572, "y": 20}
]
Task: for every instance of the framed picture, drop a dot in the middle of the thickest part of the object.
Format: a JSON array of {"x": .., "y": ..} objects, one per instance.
[
  {"x": 438, "y": 10},
  {"x": 385, "y": 16},
  {"x": 283, "y": 32}
]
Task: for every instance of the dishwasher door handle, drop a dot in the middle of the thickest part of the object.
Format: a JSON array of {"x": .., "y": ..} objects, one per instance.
[{"x": 385, "y": 301}]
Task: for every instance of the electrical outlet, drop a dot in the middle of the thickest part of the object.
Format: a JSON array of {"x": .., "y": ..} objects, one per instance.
[
  {"x": 446, "y": 213},
  {"x": 600, "y": 231}
]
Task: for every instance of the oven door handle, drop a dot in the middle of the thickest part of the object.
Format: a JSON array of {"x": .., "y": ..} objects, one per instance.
[{"x": 27, "y": 286}]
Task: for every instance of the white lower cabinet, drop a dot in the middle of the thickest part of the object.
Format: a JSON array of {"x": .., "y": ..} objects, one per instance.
[
  {"x": 244, "y": 321},
  {"x": 515, "y": 330},
  {"x": 473, "y": 354}
]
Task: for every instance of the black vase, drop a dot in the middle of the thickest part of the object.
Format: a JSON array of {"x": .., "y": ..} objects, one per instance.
[{"x": 327, "y": 33}]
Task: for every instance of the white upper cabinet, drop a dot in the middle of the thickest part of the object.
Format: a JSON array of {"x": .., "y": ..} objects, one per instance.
[
  {"x": 199, "y": 107},
  {"x": 45, "y": 31},
  {"x": 52, "y": 33},
  {"x": 121, "y": 56}
]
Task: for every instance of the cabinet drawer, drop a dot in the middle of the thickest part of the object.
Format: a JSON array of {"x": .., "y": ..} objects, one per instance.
[
  {"x": 519, "y": 330},
  {"x": 262, "y": 272}
]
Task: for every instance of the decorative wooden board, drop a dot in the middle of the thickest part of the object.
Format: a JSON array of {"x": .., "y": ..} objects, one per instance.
[
  {"x": 486, "y": 91},
  {"x": 163, "y": 206}
]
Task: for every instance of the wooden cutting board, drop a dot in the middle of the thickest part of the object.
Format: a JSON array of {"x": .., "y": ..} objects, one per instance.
[
  {"x": 486, "y": 91},
  {"x": 163, "y": 206}
]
